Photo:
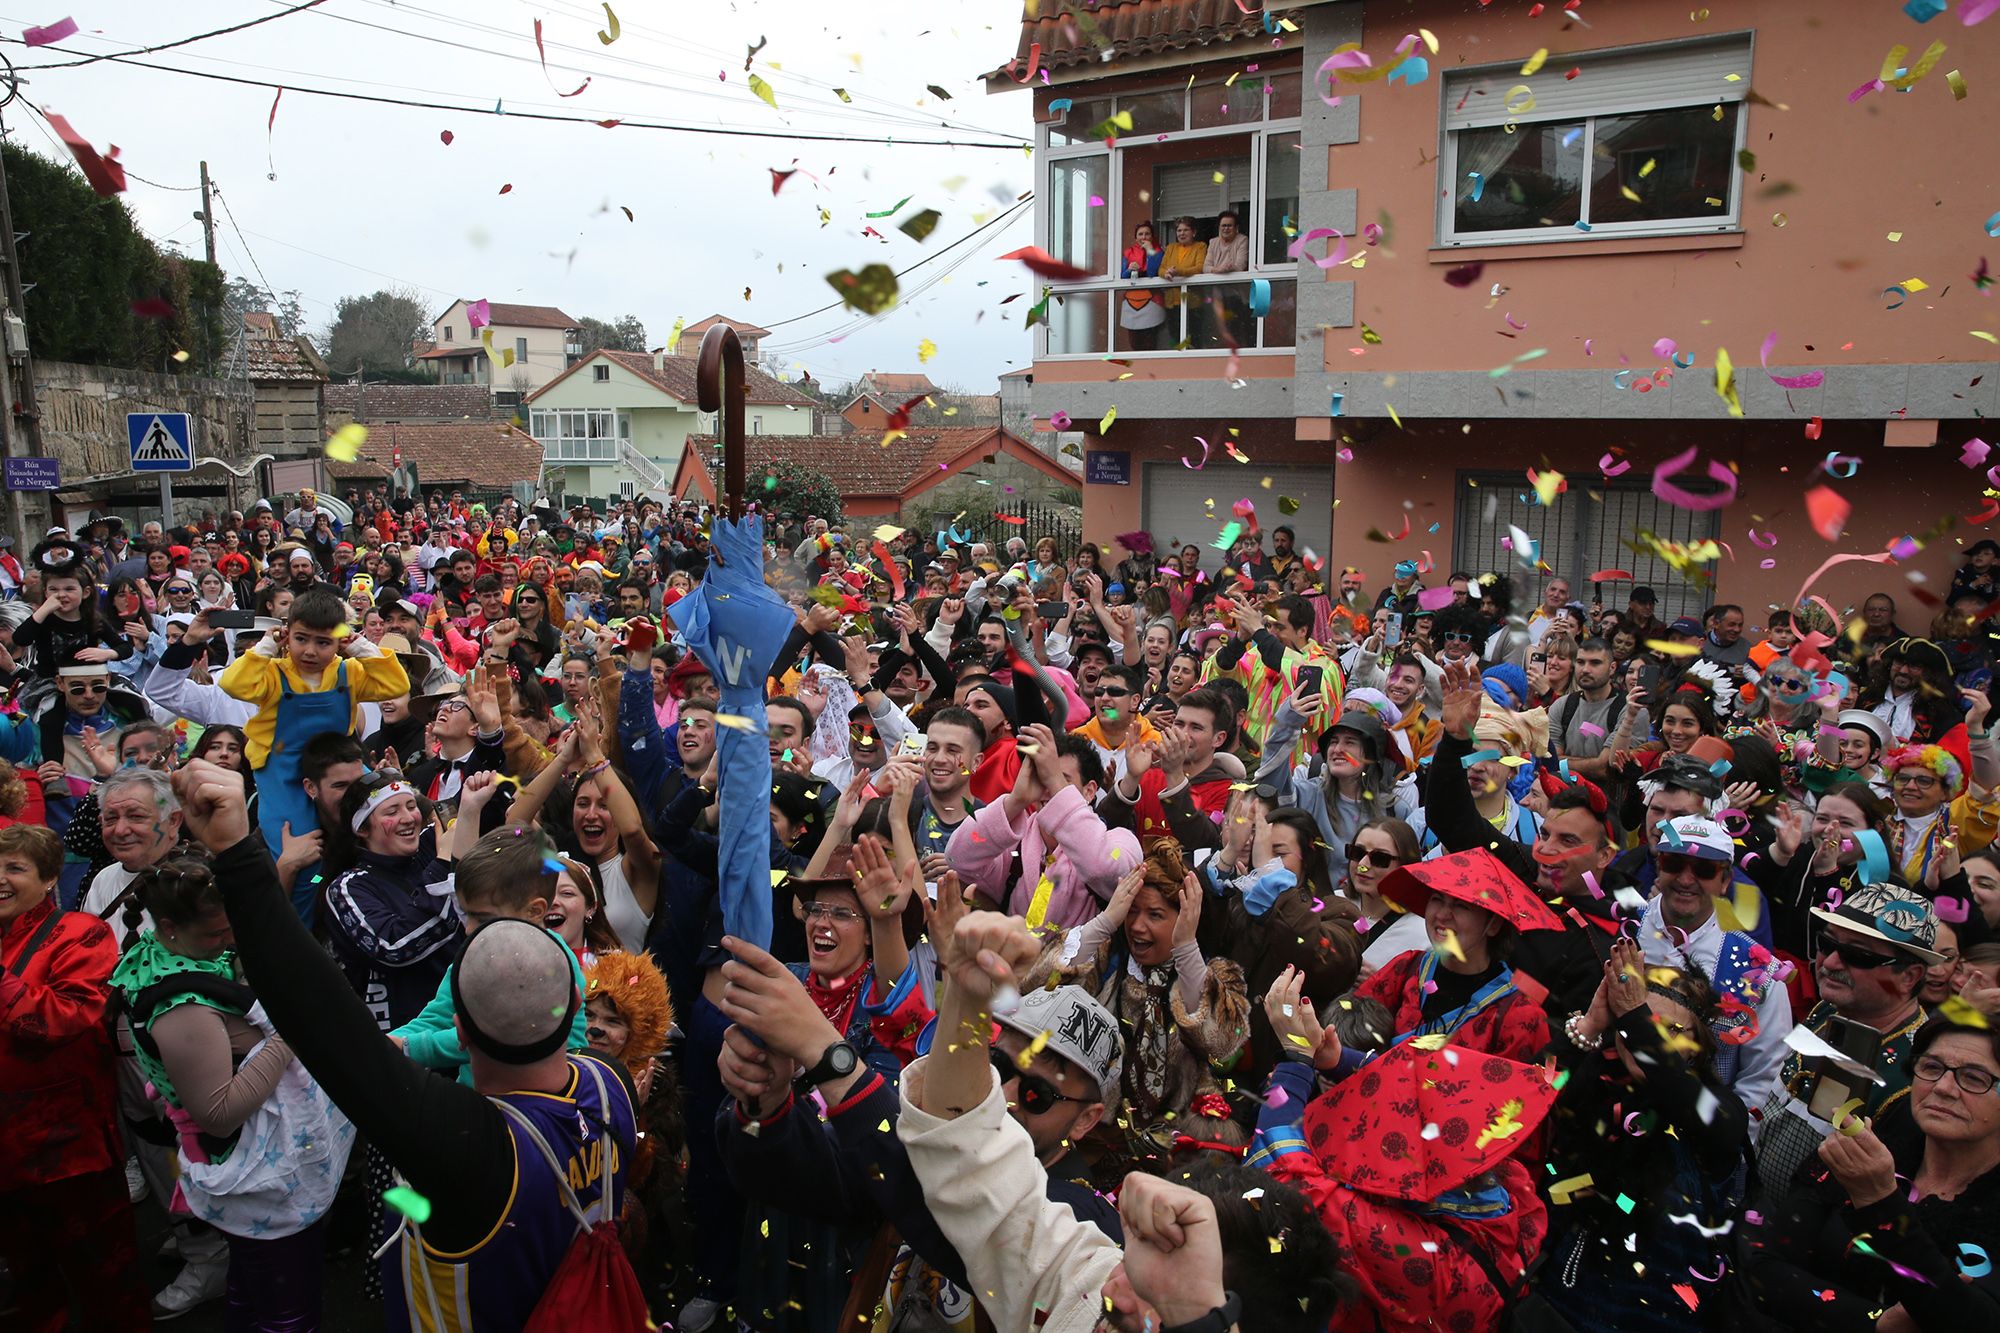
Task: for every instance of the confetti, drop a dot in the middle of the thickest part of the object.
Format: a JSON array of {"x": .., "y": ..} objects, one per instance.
[
  {"x": 1040, "y": 262},
  {"x": 60, "y": 30},
  {"x": 871, "y": 291},
  {"x": 1827, "y": 511},
  {"x": 543, "y": 53},
  {"x": 609, "y": 33},
  {"x": 409, "y": 1203},
  {"x": 105, "y": 173},
  {"x": 1720, "y": 473},
  {"x": 919, "y": 226},
  {"x": 763, "y": 90},
  {"x": 344, "y": 445}
]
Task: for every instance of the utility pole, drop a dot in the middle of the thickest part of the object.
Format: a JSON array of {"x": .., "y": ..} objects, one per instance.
[
  {"x": 14, "y": 300},
  {"x": 207, "y": 216}
]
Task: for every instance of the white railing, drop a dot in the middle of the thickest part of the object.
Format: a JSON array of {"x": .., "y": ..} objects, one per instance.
[
  {"x": 1203, "y": 314},
  {"x": 645, "y": 469}
]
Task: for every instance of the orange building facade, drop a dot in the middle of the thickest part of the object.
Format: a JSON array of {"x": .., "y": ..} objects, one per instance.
[{"x": 1537, "y": 243}]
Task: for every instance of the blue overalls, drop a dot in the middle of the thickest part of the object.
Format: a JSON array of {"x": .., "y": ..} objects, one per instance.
[{"x": 281, "y": 793}]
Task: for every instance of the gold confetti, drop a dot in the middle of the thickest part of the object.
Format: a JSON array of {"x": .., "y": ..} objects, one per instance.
[{"x": 344, "y": 445}]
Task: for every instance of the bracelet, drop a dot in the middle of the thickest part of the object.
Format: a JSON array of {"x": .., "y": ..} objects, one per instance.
[
  {"x": 1219, "y": 1320},
  {"x": 1573, "y": 1029},
  {"x": 593, "y": 770}
]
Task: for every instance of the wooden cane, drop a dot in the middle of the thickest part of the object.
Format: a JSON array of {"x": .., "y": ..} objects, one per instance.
[{"x": 719, "y": 389}]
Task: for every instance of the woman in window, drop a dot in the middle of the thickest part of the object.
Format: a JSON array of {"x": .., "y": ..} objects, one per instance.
[
  {"x": 1229, "y": 306},
  {"x": 1142, "y": 314},
  {"x": 1186, "y": 258}
]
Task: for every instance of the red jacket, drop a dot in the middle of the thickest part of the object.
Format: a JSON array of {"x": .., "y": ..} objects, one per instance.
[{"x": 58, "y": 1091}]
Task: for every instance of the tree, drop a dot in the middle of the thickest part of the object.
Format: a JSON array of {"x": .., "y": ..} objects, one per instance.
[
  {"x": 373, "y": 333},
  {"x": 789, "y": 490},
  {"x": 100, "y": 293},
  {"x": 245, "y": 297},
  {"x": 627, "y": 334}
]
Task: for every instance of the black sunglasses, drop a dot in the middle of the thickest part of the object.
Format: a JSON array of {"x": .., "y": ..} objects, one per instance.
[
  {"x": 1862, "y": 960},
  {"x": 1705, "y": 869},
  {"x": 1036, "y": 1094},
  {"x": 1381, "y": 860}
]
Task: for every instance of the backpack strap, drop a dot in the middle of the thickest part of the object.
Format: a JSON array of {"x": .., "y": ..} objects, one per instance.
[
  {"x": 1508, "y": 1292},
  {"x": 527, "y": 1126},
  {"x": 35, "y": 942}
]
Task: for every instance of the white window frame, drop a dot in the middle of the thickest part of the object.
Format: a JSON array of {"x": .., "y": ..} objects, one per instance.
[
  {"x": 600, "y": 373},
  {"x": 579, "y": 434},
  {"x": 1502, "y": 76},
  {"x": 1255, "y": 132}
]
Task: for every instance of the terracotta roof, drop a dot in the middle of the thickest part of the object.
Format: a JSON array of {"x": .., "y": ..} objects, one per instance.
[
  {"x": 436, "y": 353},
  {"x": 676, "y": 379},
  {"x": 530, "y": 316},
  {"x": 410, "y": 402},
  {"x": 270, "y": 355},
  {"x": 1133, "y": 28},
  {"x": 857, "y": 464},
  {"x": 909, "y": 386},
  {"x": 743, "y": 330},
  {"x": 489, "y": 454}
]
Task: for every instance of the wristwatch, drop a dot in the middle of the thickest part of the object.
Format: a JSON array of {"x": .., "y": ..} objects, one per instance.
[
  {"x": 838, "y": 1061},
  {"x": 1219, "y": 1320}
]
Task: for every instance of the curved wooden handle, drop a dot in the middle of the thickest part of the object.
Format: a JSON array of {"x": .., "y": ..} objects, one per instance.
[{"x": 719, "y": 388}]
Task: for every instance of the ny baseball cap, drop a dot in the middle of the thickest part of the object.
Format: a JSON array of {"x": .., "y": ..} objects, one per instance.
[
  {"x": 1694, "y": 835},
  {"x": 1078, "y": 1028}
]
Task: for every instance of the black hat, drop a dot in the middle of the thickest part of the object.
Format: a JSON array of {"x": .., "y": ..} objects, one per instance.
[
  {"x": 1644, "y": 596},
  {"x": 1921, "y": 654},
  {"x": 1004, "y": 697}
]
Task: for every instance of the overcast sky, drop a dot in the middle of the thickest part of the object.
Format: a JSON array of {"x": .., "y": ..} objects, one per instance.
[{"x": 345, "y": 197}]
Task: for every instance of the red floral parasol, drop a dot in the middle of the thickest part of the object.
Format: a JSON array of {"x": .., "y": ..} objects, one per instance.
[
  {"x": 1418, "y": 1121},
  {"x": 1477, "y": 877}
]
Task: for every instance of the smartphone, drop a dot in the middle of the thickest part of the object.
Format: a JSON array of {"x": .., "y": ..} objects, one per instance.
[
  {"x": 1649, "y": 679},
  {"x": 912, "y": 744},
  {"x": 1832, "y": 1086},
  {"x": 232, "y": 619},
  {"x": 1392, "y": 632},
  {"x": 1306, "y": 680},
  {"x": 1052, "y": 611}
]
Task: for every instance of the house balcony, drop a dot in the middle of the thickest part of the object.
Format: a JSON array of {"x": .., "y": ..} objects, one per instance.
[{"x": 1246, "y": 313}]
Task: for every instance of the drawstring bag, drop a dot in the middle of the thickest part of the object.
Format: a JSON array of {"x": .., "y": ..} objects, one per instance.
[{"x": 593, "y": 1289}]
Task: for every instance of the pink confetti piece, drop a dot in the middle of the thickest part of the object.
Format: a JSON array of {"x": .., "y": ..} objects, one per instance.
[
  {"x": 60, "y": 30},
  {"x": 1682, "y": 498},
  {"x": 1297, "y": 248},
  {"x": 1205, "y": 450},
  {"x": 1812, "y": 379},
  {"x": 1953, "y": 911},
  {"x": 479, "y": 314},
  {"x": 1975, "y": 452},
  {"x": 1764, "y": 539},
  {"x": 1976, "y": 11},
  {"x": 1664, "y": 348},
  {"x": 1277, "y": 1097},
  {"x": 1608, "y": 466},
  {"x": 1434, "y": 599},
  {"x": 1513, "y": 323},
  {"x": 1590, "y": 729}
]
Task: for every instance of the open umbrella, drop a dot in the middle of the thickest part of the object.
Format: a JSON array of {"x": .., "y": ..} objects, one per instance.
[
  {"x": 1424, "y": 1118},
  {"x": 1477, "y": 877}
]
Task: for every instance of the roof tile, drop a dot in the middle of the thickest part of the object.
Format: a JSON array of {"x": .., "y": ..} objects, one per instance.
[
  {"x": 410, "y": 402},
  {"x": 1132, "y": 28},
  {"x": 676, "y": 377},
  {"x": 857, "y": 464},
  {"x": 493, "y": 454}
]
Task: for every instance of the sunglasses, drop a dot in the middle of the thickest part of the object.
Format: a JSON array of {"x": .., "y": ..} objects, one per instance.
[
  {"x": 1457, "y": 636},
  {"x": 1036, "y": 1094},
  {"x": 1702, "y": 868},
  {"x": 87, "y": 687},
  {"x": 1381, "y": 860},
  {"x": 1861, "y": 960}
]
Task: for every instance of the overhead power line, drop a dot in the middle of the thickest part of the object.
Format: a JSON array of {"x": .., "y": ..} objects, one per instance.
[
  {"x": 189, "y": 41},
  {"x": 666, "y": 126}
]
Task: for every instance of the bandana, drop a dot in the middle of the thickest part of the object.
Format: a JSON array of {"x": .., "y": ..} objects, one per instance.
[{"x": 378, "y": 799}]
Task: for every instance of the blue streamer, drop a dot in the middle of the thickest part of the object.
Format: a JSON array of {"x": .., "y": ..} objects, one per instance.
[
  {"x": 1260, "y": 297},
  {"x": 1874, "y": 857}
]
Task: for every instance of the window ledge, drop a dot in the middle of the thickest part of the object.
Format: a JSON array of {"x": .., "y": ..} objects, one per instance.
[{"x": 1608, "y": 245}]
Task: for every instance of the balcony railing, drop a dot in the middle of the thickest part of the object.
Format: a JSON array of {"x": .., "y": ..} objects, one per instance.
[
  {"x": 1205, "y": 314},
  {"x": 579, "y": 451},
  {"x": 461, "y": 378}
]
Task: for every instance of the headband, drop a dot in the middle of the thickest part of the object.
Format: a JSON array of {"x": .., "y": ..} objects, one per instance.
[{"x": 378, "y": 798}]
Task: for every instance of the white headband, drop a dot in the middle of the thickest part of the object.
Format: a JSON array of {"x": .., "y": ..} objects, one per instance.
[{"x": 379, "y": 798}]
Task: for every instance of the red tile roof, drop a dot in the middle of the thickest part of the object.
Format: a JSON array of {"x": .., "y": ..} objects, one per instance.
[
  {"x": 858, "y": 465},
  {"x": 529, "y": 316},
  {"x": 1132, "y": 28},
  {"x": 676, "y": 378},
  {"x": 487, "y": 454},
  {"x": 906, "y": 385},
  {"x": 743, "y": 329},
  {"x": 410, "y": 402}
]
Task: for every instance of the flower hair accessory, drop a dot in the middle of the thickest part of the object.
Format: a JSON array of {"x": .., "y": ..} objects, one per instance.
[{"x": 379, "y": 798}]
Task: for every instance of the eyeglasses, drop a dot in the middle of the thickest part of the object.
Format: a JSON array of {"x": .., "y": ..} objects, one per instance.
[
  {"x": 844, "y": 916},
  {"x": 1862, "y": 960},
  {"x": 1702, "y": 868},
  {"x": 87, "y": 687},
  {"x": 1457, "y": 636},
  {"x": 1973, "y": 1080},
  {"x": 1036, "y": 1094},
  {"x": 1911, "y": 778},
  {"x": 449, "y": 704},
  {"x": 1381, "y": 860}
]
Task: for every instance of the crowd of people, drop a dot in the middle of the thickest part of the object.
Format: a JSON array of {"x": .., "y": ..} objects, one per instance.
[{"x": 1158, "y": 938}]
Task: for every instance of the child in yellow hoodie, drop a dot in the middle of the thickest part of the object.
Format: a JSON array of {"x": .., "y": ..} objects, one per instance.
[{"x": 305, "y": 680}]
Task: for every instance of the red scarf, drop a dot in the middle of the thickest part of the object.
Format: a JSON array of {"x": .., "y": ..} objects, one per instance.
[{"x": 836, "y": 1002}]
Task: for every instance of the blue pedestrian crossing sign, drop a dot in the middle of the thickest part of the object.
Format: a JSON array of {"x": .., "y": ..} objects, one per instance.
[{"x": 161, "y": 441}]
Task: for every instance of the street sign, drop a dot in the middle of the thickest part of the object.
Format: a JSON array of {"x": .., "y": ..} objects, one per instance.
[
  {"x": 1108, "y": 467},
  {"x": 161, "y": 441},
  {"x": 33, "y": 474}
]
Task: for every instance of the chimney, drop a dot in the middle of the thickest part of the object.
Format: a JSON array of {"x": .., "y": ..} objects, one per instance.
[{"x": 660, "y": 361}]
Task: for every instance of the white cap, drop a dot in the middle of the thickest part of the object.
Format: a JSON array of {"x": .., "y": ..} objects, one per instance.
[{"x": 1696, "y": 835}]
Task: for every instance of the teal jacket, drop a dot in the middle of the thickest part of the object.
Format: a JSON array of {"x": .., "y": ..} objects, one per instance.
[{"x": 431, "y": 1038}]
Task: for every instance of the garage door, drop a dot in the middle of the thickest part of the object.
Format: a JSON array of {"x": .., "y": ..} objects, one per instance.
[{"x": 1177, "y": 508}]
